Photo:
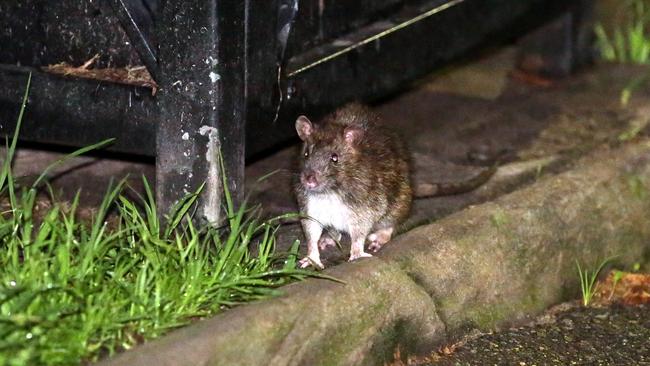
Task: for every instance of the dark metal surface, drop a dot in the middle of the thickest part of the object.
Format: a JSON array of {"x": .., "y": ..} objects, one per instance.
[
  {"x": 372, "y": 70},
  {"x": 138, "y": 33},
  {"x": 322, "y": 21},
  {"x": 39, "y": 33},
  {"x": 224, "y": 67},
  {"x": 55, "y": 114},
  {"x": 377, "y": 68}
]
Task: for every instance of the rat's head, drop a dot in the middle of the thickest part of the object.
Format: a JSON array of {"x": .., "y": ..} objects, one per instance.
[{"x": 329, "y": 151}]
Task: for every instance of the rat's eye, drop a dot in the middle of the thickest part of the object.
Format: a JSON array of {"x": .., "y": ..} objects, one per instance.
[
  {"x": 306, "y": 153},
  {"x": 334, "y": 158}
]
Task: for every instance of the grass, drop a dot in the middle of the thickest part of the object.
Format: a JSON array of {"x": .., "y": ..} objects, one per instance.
[
  {"x": 588, "y": 280},
  {"x": 628, "y": 42},
  {"x": 73, "y": 291}
]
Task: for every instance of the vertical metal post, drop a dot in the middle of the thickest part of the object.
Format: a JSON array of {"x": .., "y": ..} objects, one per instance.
[{"x": 202, "y": 102}]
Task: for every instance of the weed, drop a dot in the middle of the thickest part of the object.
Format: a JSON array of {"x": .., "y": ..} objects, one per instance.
[
  {"x": 627, "y": 43},
  {"x": 499, "y": 219},
  {"x": 618, "y": 275},
  {"x": 588, "y": 280},
  {"x": 635, "y": 126},
  {"x": 637, "y": 187}
]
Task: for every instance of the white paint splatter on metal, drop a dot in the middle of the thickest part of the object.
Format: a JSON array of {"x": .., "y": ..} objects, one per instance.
[
  {"x": 211, "y": 61},
  {"x": 212, "y": 204},
  {"x": 214, "y": 77}
]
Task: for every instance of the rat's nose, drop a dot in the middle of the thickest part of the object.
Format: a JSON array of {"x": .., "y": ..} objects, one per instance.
[{"x": 309, "y": 179}]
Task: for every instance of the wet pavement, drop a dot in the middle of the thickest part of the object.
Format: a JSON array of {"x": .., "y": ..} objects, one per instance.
[{"x": 616, "y": 335}]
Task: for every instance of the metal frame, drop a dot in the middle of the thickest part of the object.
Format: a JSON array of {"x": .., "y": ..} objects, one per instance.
[{"x": 229, "y": 67}]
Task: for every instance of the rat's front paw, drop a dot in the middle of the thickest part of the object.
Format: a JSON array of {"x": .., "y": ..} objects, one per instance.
[{"x": 307, "y": 261}]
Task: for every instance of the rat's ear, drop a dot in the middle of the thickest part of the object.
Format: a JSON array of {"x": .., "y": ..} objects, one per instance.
[
  {"x": 304, "y": 128},
  {"x": 353, "y": 134}
]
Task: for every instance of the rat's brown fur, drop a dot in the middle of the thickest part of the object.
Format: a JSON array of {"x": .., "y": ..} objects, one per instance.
[{"x": 370, "y": 178}]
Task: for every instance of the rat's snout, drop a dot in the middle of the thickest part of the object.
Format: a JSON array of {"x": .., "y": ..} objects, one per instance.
[{"x": 310, "y": 179}]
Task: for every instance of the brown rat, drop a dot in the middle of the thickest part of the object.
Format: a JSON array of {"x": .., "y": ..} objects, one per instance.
[{"x": 355, "y": 178}]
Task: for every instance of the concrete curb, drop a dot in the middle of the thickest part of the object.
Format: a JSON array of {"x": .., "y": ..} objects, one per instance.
[{"x": 482, "y": 267}]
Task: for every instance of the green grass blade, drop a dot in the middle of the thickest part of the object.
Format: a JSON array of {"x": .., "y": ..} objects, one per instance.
[
  {"x": 607, "y": 50},
  {"x": 12, "y": 148},
  {"x": 588, "y": 280}
]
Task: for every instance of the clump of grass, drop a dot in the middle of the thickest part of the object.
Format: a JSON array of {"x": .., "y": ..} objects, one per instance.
[
  {"x": 628, "y": 42},
  {"x": 74, "y": 291},
  {"x": 588, "y": 280}
]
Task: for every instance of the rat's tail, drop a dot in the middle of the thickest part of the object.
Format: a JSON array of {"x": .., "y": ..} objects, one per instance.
[{"x": 424, "y": 190}]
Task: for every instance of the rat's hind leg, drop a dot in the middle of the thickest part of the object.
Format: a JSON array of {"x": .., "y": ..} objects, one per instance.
[{"x": 380, "y": 237}]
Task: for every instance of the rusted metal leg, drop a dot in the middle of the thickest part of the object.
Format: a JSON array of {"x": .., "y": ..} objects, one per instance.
[
  {"x": 202, "y": 102},
  {"x": 558, "y": 48}
]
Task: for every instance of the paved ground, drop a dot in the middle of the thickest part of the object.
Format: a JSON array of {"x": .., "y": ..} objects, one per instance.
[
  {"x": 613, "y": 330},
  {"x": 574, "y": 335}
]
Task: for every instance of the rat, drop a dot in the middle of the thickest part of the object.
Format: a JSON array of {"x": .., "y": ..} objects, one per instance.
[{"x": 355, "y": 178}]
